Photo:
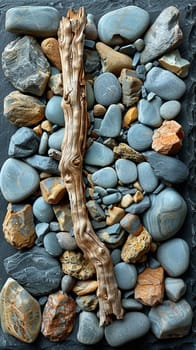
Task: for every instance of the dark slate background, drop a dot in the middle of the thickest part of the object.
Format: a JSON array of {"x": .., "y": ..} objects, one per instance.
[{"x": 187, "y": 119}]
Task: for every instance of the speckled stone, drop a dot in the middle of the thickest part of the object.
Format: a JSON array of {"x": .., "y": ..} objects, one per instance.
[
  {"x": 175, "y": 288},
  {"x": 170, "y": 109},
  {"x": 111, "y": 123},
  {"x": 107, "y": 89},
  {"x": 75, "y": 265},
  {"x": 126, "y": 171},
  {"x": 139, "y": 137},
  {"x": 52, "y": 245},
  {"x": 126, "y": 275},
  {"x": 42, "y": 210},
  {"x": 89, "y": 331},
  {"x": 126, "y": 152},
  {"x": 56, "y": 138},
  {"x": 54, "y": 112},
  {"x": 87, "y": 302},
  {"x": 99, "y": 155},
  {"x": 146, "y": 177},
  {"x": 149, "y": 112},
  {"x": 136, "y": 247},
  {"x": 105, "y": 177}
]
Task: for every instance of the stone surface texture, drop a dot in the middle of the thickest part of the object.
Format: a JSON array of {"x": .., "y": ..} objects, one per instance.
[{"x": 168, "y": 138}]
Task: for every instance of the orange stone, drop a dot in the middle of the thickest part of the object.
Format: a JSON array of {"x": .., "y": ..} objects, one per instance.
[
  {"x": 115, "y": 214},
  {"x": 53, "y": 189},
  {"x": 149, "y": 289},
  {"x": 50, "y": 48},
  {"x": 130, "y": 117},
  {"x": 168, "y": 138}
]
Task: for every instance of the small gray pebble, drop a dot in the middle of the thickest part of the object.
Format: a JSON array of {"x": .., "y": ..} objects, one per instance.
[
  {"x": 43, "y": 146},
  {"x": 67, "y": 283},
  {"x": 54, "y": 112},
  {"x": 42, "y": 210},
  {"x": 52, "y": 245}
]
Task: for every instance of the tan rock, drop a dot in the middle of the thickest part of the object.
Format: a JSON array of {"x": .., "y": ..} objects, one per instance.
[
  {"x": 46, "y": 125},
  {"x": 63, "y": 215},
  {"x": 112, "y": 61},
  {"x": 85, "y": 287},
  {"x": 137, "y": 185},
  {"x": 99, "y": 110},
  {"x": 74, "y": 264},
  {"x": 130, "y": 116},
  {"x": 138, "y": 196},
  {"x": 149, "y": 289},
  {"x": 50, "y": 48},
  {"x": 175, "y": 63},
  {"x": 126, "y": 200},
  {"x": 126, "y": 152},
  {"x": 53, "y": 189},
  {"x": 55, "y": 84},
  {"x": 38, "y": 130},
  {"x": 131, "y": 87},
  {"x": 115, "y": 214},
  {"x": 136, "y": 247},
  {"x": 18, "y": 226},
  {"x": 168, "y": 138}
]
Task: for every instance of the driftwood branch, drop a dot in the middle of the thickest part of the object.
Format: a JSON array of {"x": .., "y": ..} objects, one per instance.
[{"x": 71, "y": 40}]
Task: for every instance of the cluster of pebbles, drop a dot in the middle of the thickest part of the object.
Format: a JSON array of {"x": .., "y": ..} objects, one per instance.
[{"x": 134, "y": 74}]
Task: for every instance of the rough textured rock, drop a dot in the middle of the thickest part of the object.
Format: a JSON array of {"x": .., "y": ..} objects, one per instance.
[
  {"x": 149, "y": 289},
  {"x": 20, "y": 312},
  {"x": 136, "y": 247},
  {"x": 168, "y": 138},
  {"x": 50, "y": 48},
  {"x": 131, "y": 87},
  {"x": 175, "y": 63},
  {"x": 164, "y": 35},
  {"x": 75, "y": 265},
  {"x": 18, "y": 226},
  {"x": 126, "y": 152},
  {"x": 25, "y": 65},
  {"x": 53, "y": 189},
  {"x": 23, "y": 110},
  {"x": 58, "y": 316},
  {"x": 87, "y": 302}
]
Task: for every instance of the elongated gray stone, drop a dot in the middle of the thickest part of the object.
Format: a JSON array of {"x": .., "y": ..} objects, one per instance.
[
  {"x": 23, "y": 143},
  {"x": 146, "y": 177},
  {"x": 33, "y": 20},
  {"x": 25, "y": 65},
  {"x": 164, "y": 35},
  {"x": 54, "y": 112},
  {"x": 99, "y": 155},
  {"x": 43, "y": 163},
  {"x": 18, "y": 180},
  {"x": 37, "y": 271},
  {"x": 149, "y": 112},
  {"x": 111, "y": 123}
]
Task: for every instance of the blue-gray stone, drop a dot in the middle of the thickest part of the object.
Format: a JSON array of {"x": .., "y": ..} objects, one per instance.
[
  {"x": 133, "y": 326},
  {"x": 128, "y": 49},
  {"x": 95, "y": 210},
  {"x": 111, "y": 123},
  {"x": 171, "y": 320},
  {"x": 130, "y": 223},
  {"x": 147, "y": 179},
  {"x": 136, "y": 59},
  {"x": 41, "y": 21},
  {"x": 112, "y": 198},
  {"x": 100, "y": 191},
  {"x": 107, "y": 89},
  {"x": 42, "y": 210},
  {"x": 149, "y": 112},
  {"x": 89, "y": 331},
  {"x": 139, "y": 137},
  {"x": 126, "y": 171},
  {"x": 165, "y": 84},
  {"x": 175, "y": 288},
  {"x": 170, "y": 109},
  {"x": 56, "y": 139},
  {"x": 18, "y": 180},
  {"x": 66, "y": 240},
  {"x": 52, "y": 245},
  {"x": 41, "y": 229},
  {"x": 123, "y": 25},
  {"x": 153, "y": 263},
  {"x": 105, "y": 177},
  {"x": 139, "y": 44},
  {"x": 140, "y": 207},
  {"x": 131, "y": 304},
  {"x": 43, "y": 163},
  {"x": 67, "y": 283},
  {"x": 167, "y": 168},
  {"x": 166, "y": 215},
  {"x": 116, "y": 256},
  {"x": 23, "y": 143},
  {"x": 126, "y": 275},
  {"x": 89, "y": 95},
  {"x": 43, "y": 146},
  {"x": 54, "y": 112},
  {"x": 174, "y": 256},
  {"x": 54, "y": 226},
  {"x": 99, "y": 155},
  {"x": 113, "y": 236}
]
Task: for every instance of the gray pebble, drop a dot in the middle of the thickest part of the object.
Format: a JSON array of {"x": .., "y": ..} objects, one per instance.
[
  {"x": 54, "y": 112},
  {"x": 42, "y": 210},
  {"x": 139, "y": 137},
  {"x": 139, "y": 44},
  {"x": 128, "y": 49},
  {"x": 170, "y": 109},
  {"x": 67, "y": 283},
  {"x": 105, "y": 177},
  {"x": 89, "y": 95},
  {"x": 23, "y": 143},
  {"x": 113, "y": 236},
  {"x": 126, "y": 275},
  {"x": 99, "y": 155},
  {"x": 41, "y": 229},
  {"x": 140, "y": 207},
  {"x": 175, "y": 288},
  {"x": 56, "y": 139},
  {"x": 136, "y": 59},
  {"x": 149, "y": 112},
  {"x": 126, "y": 171},
  {"x": 112, "y": 198},
  {"x": 111, "y": 123},
  {"x": 101, "y": 191},
  {"x": 43, "y": 163},
  {"x": 66, "y": 241},
  {"x": 89, "y": 331},
  {"x": 153, "y": 263},
  {"x": 107, "y": 89},
  {"x": 131, "y": 304},
  {"x": 52, "y": 245},
  {"x": 116, "y": 256},
  {"x": 95, "y": 210},
  {"x": 54, "y": 226},
  {"x": 43, "y": 146},
  {"x": 146, "y": 177}
]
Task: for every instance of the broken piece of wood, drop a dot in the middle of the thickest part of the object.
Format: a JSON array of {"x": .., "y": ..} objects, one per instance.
[{"x": 71, "y": 41}]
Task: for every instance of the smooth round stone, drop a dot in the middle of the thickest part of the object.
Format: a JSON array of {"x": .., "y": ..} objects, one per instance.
[
  {"x": 123, "y": 25},
  {"x": 170, "y": 109},
  {"x": 18, "y": 180},
  {"x": 131, "y": 304},
  {"x": 126, "y": 275},
  {"x": 67, "y": 283},
  {"x": 175, "y": 288},
  {"x": 139, "y": 137},
  {"x": 107, "y": 89},
  {"x": 166, "y": 215},
  {"x": 112, "y": 198},
  {"x": 99, "y": 155},
  {"x": 105, "y": 177},
  {"x": 66, "y": 241},
  {"x": 33, "y": 20},
  {"x": 56, "y": 138},
  {"x": 42, "y": 210},
  {"x": 54, "y": 112},
  {"x": 89, "y": 331},
  {"x": 165, "y": 84},
  {"x": 54, "y": 226},
  {"x": 146, "y": 177},
  {"x": 174, "y": 256},
  {"x": 149, "y": 112},
  {"x": 134, "y": 325},
  {"x": 52, "y": 245},
  {"x": 111, "y": 123},
  {"x": 89, "y": 95},
  {"x": 23, "y": 143},
  {"x": 126, "y": 171}
]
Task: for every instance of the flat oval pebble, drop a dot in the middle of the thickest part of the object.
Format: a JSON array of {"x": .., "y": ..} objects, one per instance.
[
  {"x": 166, "y": 215},
  {"x": 170, "y": 109},
  {"x": 139, "y": 137},
  {"x": 112, "y": 198},
  {"x": 165, "y": 84},
  {"x": 33, "y": 20},
  {"x": 18, "y": 180},
  {"x": 149, "y": 112},
  {"x": 56, "y": 138},
  {"x": 174, "y": 256},
  {"x": 23, "y": 143},
  {"x": 43, "y": 146},
  {"x": 54, "y": 112},
  {"x": 111, "y": 123},
  {"x": 123, "y": 25},
  {"x": 107, "y": 89},
  {"x": 146, "y": 177},
  {"x": 89, "y": 331},
  {"x": 126, "y": 275},
  {"x": 105, "y": 177},
  {"x": 134, "y": 325},
  {"x": 52, "y": 245},
  {"x": 90, "y": 95},
  {"x": 99, "y": 155},
  {"x": 42, "y": 210},
  {"x": 126, "y": 171}
]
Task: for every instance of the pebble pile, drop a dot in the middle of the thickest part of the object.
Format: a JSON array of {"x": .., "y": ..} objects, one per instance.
[{"x": 134, "y": 75}]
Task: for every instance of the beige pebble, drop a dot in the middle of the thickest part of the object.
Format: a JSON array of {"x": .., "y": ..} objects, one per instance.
[
  {"x": 138, "y": 196},
  {"x": 99, "y": 110},
  {"x": 46, "y": 125},
  {"x": 137, "y": 185},
  {"x": 50, "y": 47},
  {"x": 115, "y": 214},
  {"x": 85, "y": 287},
  {"x": 126, "y": 200},
  {"x": 38, "y": 130}
]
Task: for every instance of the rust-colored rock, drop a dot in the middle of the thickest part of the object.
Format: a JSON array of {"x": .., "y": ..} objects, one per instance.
[
  {"x": 130, "y": 116},
  {"x": 131, "y": 87},
  {"x": 58, "y": 316},
  {"x": 168, "y": 138},
  {"x": 75, "y": 265},
  {"x": 85, "y": 287},
  {"x": 50, "y": 48},
  {"x": 18, "y": 226},
  {"x": 53, "y": 189},
  {"x": 150, "y": 286},
  {"x": 136, "y": 247},
  {"x": 126, "y": 152},
  {"x": 114, "y": 215}
]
